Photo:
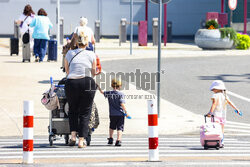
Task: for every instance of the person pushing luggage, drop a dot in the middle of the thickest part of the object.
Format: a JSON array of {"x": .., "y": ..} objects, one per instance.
[
  {"x": 117, "y": 111},
  {"x": 219, "y": 104}
]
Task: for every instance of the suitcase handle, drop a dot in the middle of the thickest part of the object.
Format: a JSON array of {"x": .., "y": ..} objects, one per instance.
[{"x": 212, "y": 118}]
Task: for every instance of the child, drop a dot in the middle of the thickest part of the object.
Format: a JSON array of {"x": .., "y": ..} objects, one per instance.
[
  {"x": 117, "y": 111},
  {"x": 219, "y": 104}
]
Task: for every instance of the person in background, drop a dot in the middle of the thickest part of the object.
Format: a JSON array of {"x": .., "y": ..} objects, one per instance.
[
  {"x": 83, "y": 26},
  {"x": 42, "y": 25},
  {"x": 24, "y": 20}
]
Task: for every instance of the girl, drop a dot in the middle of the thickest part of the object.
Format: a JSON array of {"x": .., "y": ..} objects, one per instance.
[{"x": 219, "y": 104}]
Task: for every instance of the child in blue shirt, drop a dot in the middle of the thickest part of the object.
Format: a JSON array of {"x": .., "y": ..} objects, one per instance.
[{"x": 117, "y": 111}]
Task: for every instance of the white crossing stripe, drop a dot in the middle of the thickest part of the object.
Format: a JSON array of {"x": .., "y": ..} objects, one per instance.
[{"x": 131, "y": 148}]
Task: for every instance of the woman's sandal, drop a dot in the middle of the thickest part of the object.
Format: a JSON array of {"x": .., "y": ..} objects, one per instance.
[
  {"x": 72, "y": 142},
  {"x": 81, "y": 144}
]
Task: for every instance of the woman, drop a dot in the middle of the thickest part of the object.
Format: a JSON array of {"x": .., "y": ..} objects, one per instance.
[
  {"x": 83, "y": 26},
  {"x": 80, "y": 87},
  {"x": 24, "y": 20},
  {"x": 41, "y": 25}
]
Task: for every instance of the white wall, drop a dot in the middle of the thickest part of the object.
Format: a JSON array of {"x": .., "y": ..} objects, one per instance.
[{"x": 185, "y": 14}]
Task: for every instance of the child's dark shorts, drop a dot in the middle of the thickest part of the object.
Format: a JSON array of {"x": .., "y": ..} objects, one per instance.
[{"x": 116, "y": 123}]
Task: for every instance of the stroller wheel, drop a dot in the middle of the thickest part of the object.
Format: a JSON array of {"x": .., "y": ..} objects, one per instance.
[
  {"x": 66, "y": 137},
  {"x": 51, "y": 140},
  {"x": 88, "y": 139}
]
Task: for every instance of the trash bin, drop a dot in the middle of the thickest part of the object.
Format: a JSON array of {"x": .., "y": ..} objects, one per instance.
[
  {"x": 155, "y": 31},
  {"x": 169, "y": 31},
  {"x": 97, "y": 31},
  {"x": 142, "y": 33},
  {"x": 123, "y": 30}
]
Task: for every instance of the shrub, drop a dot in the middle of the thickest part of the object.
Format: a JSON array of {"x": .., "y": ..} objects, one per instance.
[
  {"x": 244, "y": 41},
  {"x": 229, "y": 33},
  {"x": 212, "y": 24}
]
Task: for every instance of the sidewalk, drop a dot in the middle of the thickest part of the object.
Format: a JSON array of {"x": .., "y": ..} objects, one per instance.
[{"x": 27, "y": 81}]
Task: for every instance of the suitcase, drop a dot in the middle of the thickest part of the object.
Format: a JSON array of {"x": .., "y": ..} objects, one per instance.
[
  {"x": 14, "y": 46},
  {"x": 52, "y": 50},
  {"x": 26, "y": 52},
  {"x": 211, "y": 134}
]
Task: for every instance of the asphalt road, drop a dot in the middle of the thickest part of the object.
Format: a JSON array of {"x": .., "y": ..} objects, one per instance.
[{"x": 186, "y": 81}]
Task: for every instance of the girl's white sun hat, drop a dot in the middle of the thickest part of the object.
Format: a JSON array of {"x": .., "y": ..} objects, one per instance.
[{"x": 218, "y": 84}]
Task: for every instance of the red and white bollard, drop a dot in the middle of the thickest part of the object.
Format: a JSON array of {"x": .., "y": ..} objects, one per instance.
[
  {"x": 153, "y": 132},
  {"x": 28, "y": 112}
]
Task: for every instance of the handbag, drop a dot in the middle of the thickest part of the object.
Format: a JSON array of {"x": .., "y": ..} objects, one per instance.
[
  {"x": 26, "y": 37},
  {"x": 50, "y": 100}
]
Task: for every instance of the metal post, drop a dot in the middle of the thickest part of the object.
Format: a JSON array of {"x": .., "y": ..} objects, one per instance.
[
  {"x": 131, "y": 25},
  {"x": 231, "y": 18},
  {"x": 245, "y": 16},
  {"x": 159, "y": 59},
  {"x": 99, "y": 9},
  {"x": 58, "y": 23},
  {"x": 222, "y": 9},
  {"x": 146, "y": 10},
  {"x": 165, "y": 24}
]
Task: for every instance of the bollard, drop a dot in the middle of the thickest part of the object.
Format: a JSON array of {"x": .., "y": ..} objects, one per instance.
[
  {"x": 153, "y": 153},
  {"x": 169, "y": 31},
  {"x": 61, "y": 30},
  {"x": 97, "y": 31},
  {"x": 28, "y": 107},
  {"x": 123, "y": 30},
  {"x": 16, "y": 30},
  {"x": 155, "y": 31}
]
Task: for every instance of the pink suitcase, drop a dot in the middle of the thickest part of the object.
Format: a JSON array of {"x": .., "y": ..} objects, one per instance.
[{"x": 211, "y": 134}]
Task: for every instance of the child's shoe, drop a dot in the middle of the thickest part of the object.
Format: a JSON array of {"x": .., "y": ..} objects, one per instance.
[
  {"x": 118, "y": 143},
  {"x": 110, "y": 140}
]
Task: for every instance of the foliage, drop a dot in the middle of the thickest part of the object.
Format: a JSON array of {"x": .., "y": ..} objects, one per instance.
[
  {"x": 244, "y": 41},
  {"x": 229, "y": 33},
  {"x": 212, "y": 24}
]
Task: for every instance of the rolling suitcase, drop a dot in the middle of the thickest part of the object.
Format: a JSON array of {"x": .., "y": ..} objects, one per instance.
[
  {"x": 211, "y": 134},
  {"x": 26, "y": 52},
  {"x": 14, "y": 46},
  {"x": 52, "y": 50}
]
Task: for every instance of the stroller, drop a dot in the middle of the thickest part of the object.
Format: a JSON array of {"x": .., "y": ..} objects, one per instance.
[{"x": 59, "y": 120}]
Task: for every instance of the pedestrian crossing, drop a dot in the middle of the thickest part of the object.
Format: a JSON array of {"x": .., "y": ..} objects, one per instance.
[
  {"x": 237, "y": 129},
  {"x": 171, "y": 149}
]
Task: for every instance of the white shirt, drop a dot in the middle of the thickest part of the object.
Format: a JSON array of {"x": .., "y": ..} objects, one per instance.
[
  {"x": 25, "y": 26},
  {"x": 87, "y": 30},
  {"x": 221, "y": 108}
]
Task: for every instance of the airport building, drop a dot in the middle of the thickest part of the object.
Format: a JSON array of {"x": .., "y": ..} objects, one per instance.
[{"x": 185, "y": 15}]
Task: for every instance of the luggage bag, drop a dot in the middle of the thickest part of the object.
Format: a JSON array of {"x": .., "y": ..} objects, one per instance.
[
  {"x": 211, "y": 134},
  {"x": 14, "y": 46},
  {"x": 52, "y": 50},
  {"x": 26, "y": 52}
]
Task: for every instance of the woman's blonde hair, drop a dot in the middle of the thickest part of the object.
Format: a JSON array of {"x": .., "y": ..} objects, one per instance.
[
  {"x": 82, "y": 37},
  {"x": 115, "y": 83}
]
